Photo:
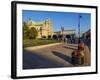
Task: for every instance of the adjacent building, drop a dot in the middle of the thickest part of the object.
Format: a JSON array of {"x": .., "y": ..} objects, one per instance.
[
  {"x": 66, "y": 33},
  {"x": 87, "y": 34}
]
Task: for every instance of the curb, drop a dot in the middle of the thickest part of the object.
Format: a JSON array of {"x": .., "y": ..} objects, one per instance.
[{"x": 42, "y": 46}]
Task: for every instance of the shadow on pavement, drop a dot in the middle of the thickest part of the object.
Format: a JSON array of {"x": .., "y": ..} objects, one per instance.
[
  {"x": 34, "y": 61},
  {"x": 62, "y": 56}
]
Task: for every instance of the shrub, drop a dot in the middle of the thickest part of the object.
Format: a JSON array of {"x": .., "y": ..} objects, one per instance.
[{"x": 33, "y": 33}]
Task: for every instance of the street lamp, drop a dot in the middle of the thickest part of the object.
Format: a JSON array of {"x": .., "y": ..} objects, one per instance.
[{"x": 80, "y": 16}]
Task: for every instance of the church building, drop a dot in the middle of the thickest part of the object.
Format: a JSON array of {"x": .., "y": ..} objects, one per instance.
[{"x": 44, "y": 28}]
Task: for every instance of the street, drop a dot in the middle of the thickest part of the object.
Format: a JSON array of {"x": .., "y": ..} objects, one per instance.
[{"x": 52, "y": 57}]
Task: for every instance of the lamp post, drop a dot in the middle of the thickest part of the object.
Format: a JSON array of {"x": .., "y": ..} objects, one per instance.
[{"x": 79, "y": 27}]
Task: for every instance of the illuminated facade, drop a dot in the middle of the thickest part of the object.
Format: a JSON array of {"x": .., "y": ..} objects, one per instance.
[{"x": 44, "y": 28}]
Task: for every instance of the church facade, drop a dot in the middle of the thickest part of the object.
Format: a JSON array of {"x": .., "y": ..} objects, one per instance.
[{"x": 44, "y": 28}]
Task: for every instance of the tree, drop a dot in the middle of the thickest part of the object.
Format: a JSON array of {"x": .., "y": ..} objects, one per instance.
[
  {"x": 33, "y": 33},
  {"x": 25, "y": 30},
  {"x": 41, "y": 31},
  {"x": 29, "y": 33}
]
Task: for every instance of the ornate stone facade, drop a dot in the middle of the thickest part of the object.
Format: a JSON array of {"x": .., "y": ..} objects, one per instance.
[{"x": 44, "y": 28}]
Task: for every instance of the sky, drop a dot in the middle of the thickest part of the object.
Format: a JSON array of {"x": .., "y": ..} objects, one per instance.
[{"x": 68, "y": 20}]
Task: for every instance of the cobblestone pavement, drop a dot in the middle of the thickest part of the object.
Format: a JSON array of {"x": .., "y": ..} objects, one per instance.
[{"x": 57, "y": 56}]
